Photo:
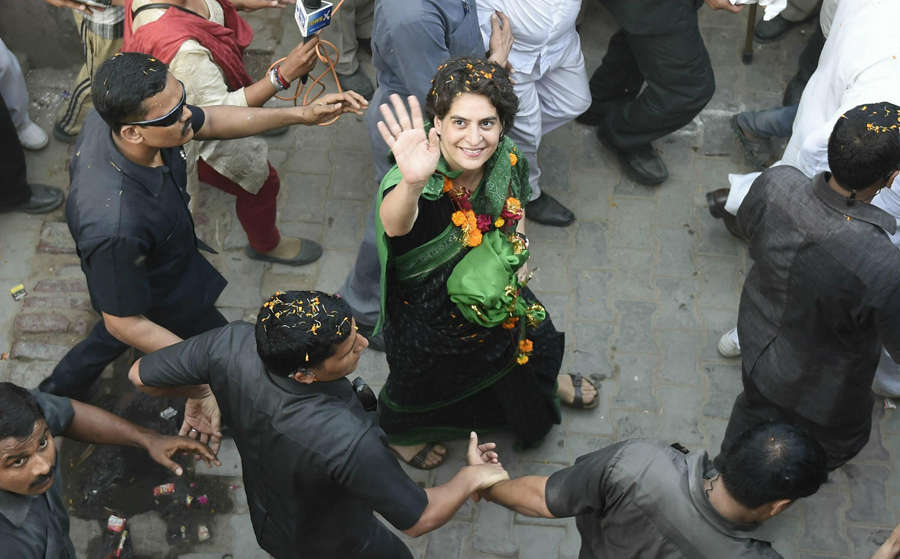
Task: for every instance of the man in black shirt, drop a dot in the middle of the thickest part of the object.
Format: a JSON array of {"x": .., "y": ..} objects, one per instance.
[
  {"x": 34, "y": 523},
  {"x": 316, "y": 465},
  {"x": 822, "y": 297},
  {"x": 127, "y": 210},
  {"x": 642, "y": 499}
]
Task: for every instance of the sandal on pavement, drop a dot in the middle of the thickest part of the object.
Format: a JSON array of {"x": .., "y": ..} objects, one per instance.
[
  {"x": 418, "y": 461},
  {"x": 578, "y": 400}
]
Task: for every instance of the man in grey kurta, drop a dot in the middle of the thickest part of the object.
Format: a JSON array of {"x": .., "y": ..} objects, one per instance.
[
  {"x": 822, "y": 297},
  {"x": 640, "y": 499}
]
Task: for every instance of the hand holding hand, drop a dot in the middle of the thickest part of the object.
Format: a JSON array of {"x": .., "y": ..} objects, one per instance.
[
  {"x": 724, "y": 5},
  {"x": 481, "y": 453},
  {"x": 161, "y": 448},
  {"x": 301, "y": 60},
  {"x": 417, "y": 155},
  {"x": 332, "y": 105},
  {"x": 501, "y": 38},
  {"x": 890, "y": 549},
  {"x": 202, "y": 419}
]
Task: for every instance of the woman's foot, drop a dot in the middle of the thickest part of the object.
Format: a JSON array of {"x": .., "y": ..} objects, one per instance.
[
  {"x": 422, "y": 456},
  {"x": 576, "y": 391}
]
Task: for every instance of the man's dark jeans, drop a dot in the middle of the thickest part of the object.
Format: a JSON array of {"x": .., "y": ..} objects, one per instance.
[{"x": 13, "y": 181}]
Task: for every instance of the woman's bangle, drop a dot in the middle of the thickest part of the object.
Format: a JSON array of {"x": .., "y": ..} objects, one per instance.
[
  {"x": 523, "y": 237},
  {"x": 273, "y": 79}
]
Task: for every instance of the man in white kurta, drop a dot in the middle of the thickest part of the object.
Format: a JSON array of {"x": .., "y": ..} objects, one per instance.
[{"x": 548, "y": 74}]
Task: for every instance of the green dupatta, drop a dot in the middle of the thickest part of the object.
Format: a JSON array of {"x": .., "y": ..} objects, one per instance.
[{"x": 501, "y": 179}]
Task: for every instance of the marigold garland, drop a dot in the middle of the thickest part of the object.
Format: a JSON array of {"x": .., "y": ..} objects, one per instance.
[{"x": 513, "y": 159}]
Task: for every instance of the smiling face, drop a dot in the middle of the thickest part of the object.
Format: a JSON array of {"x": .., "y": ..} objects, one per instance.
[
  {"x": 470, "y": 132},
  {"x": 27, "y": 466}
]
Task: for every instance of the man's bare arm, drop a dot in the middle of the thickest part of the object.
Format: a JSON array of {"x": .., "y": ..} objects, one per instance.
[
  {"x": 139, "y": 332},
  {"x": 526, "y": 495}
]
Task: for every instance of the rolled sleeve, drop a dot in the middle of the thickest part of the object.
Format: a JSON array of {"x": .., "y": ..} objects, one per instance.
[
  {"x": 373, "y": 475},
  {"x": 117, "y": 276},
  {"x": 58, "y": 411},
  {"x": 580, "y": 489}
]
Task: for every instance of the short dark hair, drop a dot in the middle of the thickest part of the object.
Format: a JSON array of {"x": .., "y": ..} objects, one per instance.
[
  {"x": 19, "y": 411},
  {"x": 864, "y": 146},
  {"x": 773, "y": 461},
  {"x": 297, "y": 330},
  {"x": 472, "y": 75},
  {"x": 122, "y": 83}
]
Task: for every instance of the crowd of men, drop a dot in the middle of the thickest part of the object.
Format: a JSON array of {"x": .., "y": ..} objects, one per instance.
[{"x": 818, "y": 323}]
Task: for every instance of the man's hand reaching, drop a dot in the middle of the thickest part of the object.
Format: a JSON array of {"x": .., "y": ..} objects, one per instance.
[
  {"x": 501, "y": 39},
  {"x": 332, "y": 105},
  {"x": 724, "y": 5},
  {"x": 77, "y": 6},
  {"x": 162, "y": 447},
  {"x": 252, "y": 5},
  {"x": 202, "y": 420},
  {"x": 481, "y": 453}
]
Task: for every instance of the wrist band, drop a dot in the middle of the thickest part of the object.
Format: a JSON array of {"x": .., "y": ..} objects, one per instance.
[
  {"x": 285, "y": 83},
  {"x": 273, "y": 79}
]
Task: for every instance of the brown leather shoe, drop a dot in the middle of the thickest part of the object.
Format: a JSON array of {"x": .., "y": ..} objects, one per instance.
[{"x": 715, "y": 201}]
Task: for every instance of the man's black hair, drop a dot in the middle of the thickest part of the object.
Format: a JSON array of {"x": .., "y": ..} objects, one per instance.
[
  {"x": 297, "y": 330},
  {"x": 472, "y": 75},
  {"x": 19, "y": 411},
  {"x": 773, "y": 461},
  {"x": 122, "y": 83},
  {"x": 864, "y": 146}
]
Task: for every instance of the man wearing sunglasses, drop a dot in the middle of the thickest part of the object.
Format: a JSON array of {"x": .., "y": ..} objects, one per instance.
[{"x": 127, "y": 211}]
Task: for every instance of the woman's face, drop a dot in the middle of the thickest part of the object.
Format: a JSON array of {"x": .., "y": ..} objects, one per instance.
[{"x": 470, "y": 132}]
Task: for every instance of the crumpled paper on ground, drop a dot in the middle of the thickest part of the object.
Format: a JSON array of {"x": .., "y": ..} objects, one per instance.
[{"x": 772, "y": 7}]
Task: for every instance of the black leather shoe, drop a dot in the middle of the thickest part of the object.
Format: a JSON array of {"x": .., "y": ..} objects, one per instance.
[
  {"x": 757, "y": 150},
  {"x": 768, "y": 31},
  {"x": 375, "y": 342},
  {"x": 715, "y": 201},
  {"x": 43, "y": 199},
  {"x": 50, "y": 386},
  {"x": 547, "y": 210},
  {"x": 642, "y": 164},
  {"x": 310, "y": 251}
]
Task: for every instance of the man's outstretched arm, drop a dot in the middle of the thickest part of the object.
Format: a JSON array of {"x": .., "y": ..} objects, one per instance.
[
  {"x": 526, "y": 495},
  {"x": 91, "y": 424}
]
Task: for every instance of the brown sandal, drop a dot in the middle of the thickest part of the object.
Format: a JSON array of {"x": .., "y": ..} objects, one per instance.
[
  {"x": 418, "y": 461},
  {"x": 578, "y": 399}
]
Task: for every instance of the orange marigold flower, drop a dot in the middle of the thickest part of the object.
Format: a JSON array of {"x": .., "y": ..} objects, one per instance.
[
  {"x": 510, "y": 323},
  {"x": 472, "y": 219},
  {"x": 448, "y": 184},
  {"x": 499, "y": 222},
  {"x": 513, "y": 205},
  {"x": 459, "y": 218},
  {"x": 474, "y": 238},
  {"x": 513, "y": 159},
  {"x": 522, "y": 359},
  {"x": 526, "y": 346}
]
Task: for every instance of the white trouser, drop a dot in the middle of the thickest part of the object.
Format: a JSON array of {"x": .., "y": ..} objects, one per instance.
[
  {"x": 12, "y": 87},
  {"x": 547, "y": 101}
]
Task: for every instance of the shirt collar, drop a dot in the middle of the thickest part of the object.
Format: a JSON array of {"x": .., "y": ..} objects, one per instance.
[
  {"x": 340, "y": 388},
  {"x": 15, "y": 507},
  {"x": 151, "y": 178},
  {"x": 860, "y": 210},
  {"x": 699, "y": 470}
]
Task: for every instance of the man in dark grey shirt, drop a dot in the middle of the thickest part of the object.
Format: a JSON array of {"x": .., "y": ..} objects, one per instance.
[
  {"x": 316, "y": 465},
  {"x": 823, "y": 295},
  {"x": 34, "y": 523},
  {"x": 648, "y": 500}
]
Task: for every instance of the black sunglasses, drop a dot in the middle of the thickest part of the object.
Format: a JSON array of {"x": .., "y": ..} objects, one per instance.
[{"x": 167, "y": 119}]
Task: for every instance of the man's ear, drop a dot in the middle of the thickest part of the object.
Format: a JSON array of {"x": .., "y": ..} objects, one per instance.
[
  {"x": 777, "y": 507},
  {"x": 131, "y": 133},
  {"x": 304, "y": 377}
]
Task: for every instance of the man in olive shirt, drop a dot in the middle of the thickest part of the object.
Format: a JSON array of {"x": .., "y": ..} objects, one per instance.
[
  {"x": 34, "y": 523},
  {"x": 648, "y": 500}
]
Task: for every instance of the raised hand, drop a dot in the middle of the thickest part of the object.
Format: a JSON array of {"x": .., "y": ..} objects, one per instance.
[
  {"x": 501, "y": 41},
  {"x": 416, "y": 153},
  {"x": 161, "y": 448}
]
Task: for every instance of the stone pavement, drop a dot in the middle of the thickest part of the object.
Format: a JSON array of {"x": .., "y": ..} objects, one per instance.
[{"x": 643, "y": 283}]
